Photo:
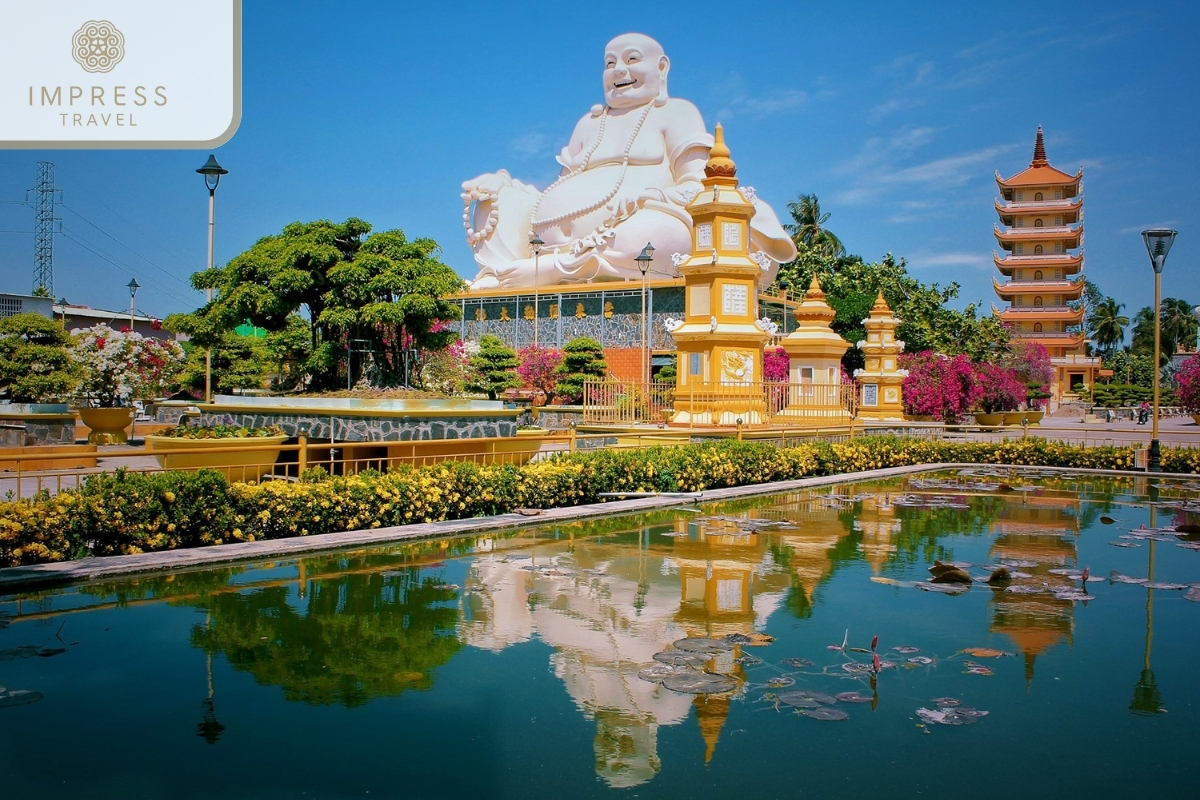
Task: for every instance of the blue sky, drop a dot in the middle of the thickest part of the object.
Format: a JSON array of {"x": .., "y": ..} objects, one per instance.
[{"x": 896, "y": 115}]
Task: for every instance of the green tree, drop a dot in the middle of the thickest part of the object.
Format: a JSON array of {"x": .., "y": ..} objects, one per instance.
[
  {"x": 583, "y": 359},
  {"x": 1179, "y": 324},
  {"x": 808, "y": 226},
  {"x": 1129, "y": 368},
  {"x": 494, "y": 368},
  {"x": 1107, "y": 324},
  {"x": 926, "y": 322},
  {"x": 351, "y": 284},
  {"x": 238, "y": 362},
  {"x": 35, "y": 362}
]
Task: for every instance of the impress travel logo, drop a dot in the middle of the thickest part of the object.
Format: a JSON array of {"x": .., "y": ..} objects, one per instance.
[{"x": 145, "y": 75}]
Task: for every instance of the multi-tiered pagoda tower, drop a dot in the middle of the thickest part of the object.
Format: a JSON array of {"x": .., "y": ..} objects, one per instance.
[{"x": 1042, "y": 214}]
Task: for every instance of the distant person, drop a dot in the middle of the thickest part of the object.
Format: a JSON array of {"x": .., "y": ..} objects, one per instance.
[{"x": 1143, "y": 413}]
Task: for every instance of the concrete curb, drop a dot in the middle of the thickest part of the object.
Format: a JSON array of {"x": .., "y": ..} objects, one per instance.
[{"x": 40, "y": 576}]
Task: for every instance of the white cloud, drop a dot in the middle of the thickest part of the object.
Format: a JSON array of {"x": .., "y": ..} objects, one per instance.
[
  {"x": 927, "y": 260},
  {"x": 530, "y": 144}
]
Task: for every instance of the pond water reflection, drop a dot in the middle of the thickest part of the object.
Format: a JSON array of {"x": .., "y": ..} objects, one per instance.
[{"x": 510, "y": 666}]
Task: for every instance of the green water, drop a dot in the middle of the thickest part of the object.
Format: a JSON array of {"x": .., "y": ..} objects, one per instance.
[{"x": 508, "y": 667}]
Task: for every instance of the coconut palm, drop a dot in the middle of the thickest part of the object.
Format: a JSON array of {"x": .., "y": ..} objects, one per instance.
[
  {"x": 1179, "y": 324},
  {"x": 1107, "y": 324},
  {"x": 809, "y": 227}
]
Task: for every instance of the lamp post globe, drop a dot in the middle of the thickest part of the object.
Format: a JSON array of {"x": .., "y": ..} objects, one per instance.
[
  {"x": 212, "y": 172},
  {"x": 133, "y": 286},
  {"x": 535, "y": 244},
  {"x": 1158, "y": 243}
]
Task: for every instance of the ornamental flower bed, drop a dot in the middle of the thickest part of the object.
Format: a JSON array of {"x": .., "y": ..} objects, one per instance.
[
  {"x": 126, "y": 513},
  {"x": 221, "y": 432}
]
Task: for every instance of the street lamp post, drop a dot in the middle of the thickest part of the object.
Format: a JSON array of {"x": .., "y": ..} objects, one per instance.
[
  {"x": 643, "y": 261},
  {"x": 62, "y": 307},
  {"x": 536, "y": 243},
  {"x": 212, "y": 172},
  {"x": 1158, "y": 244},
  {"x": 133, "y": 287},
  {"x": 783, "y": 288}
]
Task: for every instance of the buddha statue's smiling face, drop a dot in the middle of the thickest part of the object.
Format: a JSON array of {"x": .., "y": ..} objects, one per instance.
[{"x": 635, "y": 71}]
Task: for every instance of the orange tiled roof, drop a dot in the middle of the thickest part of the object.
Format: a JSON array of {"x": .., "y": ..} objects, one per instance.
[{"x": 1039, "y": 172}]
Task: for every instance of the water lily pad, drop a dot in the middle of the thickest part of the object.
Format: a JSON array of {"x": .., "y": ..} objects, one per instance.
[
  {"x": 47, "y": 652},
  {"x": 950, "y": 716},
  {"x": 780, "y": 681},
  {"x": 748, "y": 660},
  {"x": 798, "y": 700},
  {"x": 657, "y": 673},
  {"x": 1107, "y": 520},
  {"x": 1073, "y": 594},
  {"x": 826, "y": 714},
  {"x": 24, "y": 651},
  {"x": 737, "y": 638},
  {"x": 699, "y": 683},
  {"x": 796, "y": 663},
  {"x": 942, "y": 588},
  {"x": 905, "y": 649},
  {"x": 818, "y": 697},
  {"x": 947, "y": 702},
  {"x": 1169, "y": 587},
  {"x": 1192, "y": 594},
  {"x": 677, "y": 658},
  {"x": 19, "y": 697},
  {"x": 984, "y": 652},
  {"x": 923, "y": 660},
  {"x": 708, "y": 646},
  {"x": 854, "y": 697},
  {"x": 856, "y": 668},
  {"x": 1124, "y": 544},
  {"x": 1117, "y": 577},
  {"x": 977, "y": 671}
]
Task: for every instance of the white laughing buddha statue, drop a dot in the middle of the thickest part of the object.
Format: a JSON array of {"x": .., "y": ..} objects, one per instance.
[{"x": 629, "y": 170}]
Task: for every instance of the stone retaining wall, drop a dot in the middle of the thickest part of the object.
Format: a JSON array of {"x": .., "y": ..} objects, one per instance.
[{"x": 349, "y": 428}]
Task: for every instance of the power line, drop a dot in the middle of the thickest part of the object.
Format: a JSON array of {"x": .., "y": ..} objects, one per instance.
[
  {"x": 168, "y": 250},
  {"x": 130, "y": 249},
  {"x": 100, "y": 254}
]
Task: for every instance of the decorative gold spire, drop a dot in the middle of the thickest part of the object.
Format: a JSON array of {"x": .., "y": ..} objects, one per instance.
[
  {"x": 881, "y": 306},
  {"x": 720, "y": 165},
  {"x": 814, "y": 309}
]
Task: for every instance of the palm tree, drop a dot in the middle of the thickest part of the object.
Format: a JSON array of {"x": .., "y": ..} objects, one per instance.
[
  {"x": 1179, "y": 324},
  {"x": 1107, "y": 324},
  {"x": 809, "y": 227},
  {"x": 1143, "y": 332}
]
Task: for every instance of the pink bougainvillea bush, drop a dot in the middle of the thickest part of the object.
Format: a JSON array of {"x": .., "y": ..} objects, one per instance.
[
  {"x": 775, "y": 364},
  {"x": 938, "y": 386},
  {"x": 1030, "y": 361},
  {"x": 536, "y": 366},
  {"x": 1187, "y": 379},
  {"x": 999, "y": 389}
]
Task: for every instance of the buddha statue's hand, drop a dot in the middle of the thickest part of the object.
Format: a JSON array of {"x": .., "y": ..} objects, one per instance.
[
  {"x": 486, "y": 186},
  {"x": 624, "y": 205}
]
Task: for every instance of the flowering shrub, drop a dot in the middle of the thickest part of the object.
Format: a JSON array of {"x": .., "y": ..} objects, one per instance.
[
  {"x": 938, "y": 386},
  {"x": 221, "y": 432},
  {"x": 119, "y": 366},
  {"x": 1030, "y": 361},
  {"x": 125, "y": 513},
  {"x": 775, "y": 365},
  {"x": 449, "y": 370},
  {"x": 1187, "y": 382},
  {"x": 999, "y": 389},
  {"x": 536, "y": 366}
]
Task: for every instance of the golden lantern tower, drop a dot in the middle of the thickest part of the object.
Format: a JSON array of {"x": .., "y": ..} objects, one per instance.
[
  {"x": 879, "y": 382},
  {"x": 720, "y": 339},
  {"x": 815, "y": 395},
  {"x": 1042, "y": 217}
]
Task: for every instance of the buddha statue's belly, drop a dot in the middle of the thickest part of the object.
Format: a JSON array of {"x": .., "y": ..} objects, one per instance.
[{"x": 578, "y": 204}]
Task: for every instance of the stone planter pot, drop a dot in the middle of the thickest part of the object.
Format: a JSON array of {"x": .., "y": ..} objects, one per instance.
[
  {"x": 1195, "y": 418},
  {"x": 107, "y": 425},
  {"x": 227, "y": 456},
  {"x": 989, "y": 420},
  {"x": 1016, "y": 417},
  {"x": 1034, "y": 417}
]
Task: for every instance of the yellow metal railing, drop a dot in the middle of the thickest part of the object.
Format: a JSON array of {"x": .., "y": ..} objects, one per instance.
[{"x": 721, "y": 404}]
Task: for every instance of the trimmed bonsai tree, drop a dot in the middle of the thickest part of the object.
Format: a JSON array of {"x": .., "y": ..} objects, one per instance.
[
  {"x": 35, "y": 360},
  {"x": 583, "y": 359},
  {"x": 494, "y": 368}
]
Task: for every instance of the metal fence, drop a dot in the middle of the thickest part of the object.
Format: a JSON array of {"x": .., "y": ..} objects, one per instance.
[{"x": 755, "y": 403}]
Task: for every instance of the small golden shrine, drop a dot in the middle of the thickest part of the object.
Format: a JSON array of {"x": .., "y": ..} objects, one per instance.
[
  {"x": 815, "y": 392},
  {"x": 720, "y": 340},
  {"x": 879, "y": 384}
]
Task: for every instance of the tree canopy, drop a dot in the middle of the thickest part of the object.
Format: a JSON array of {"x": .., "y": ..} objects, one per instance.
[
  {"x": 851, "y": 286},
  {"x": 35, "y": 364},
  {"x": 381, "y": 289},
  {"x": 808, "y": 226}
]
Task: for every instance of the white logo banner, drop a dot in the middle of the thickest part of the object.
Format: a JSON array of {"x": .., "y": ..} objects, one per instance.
[{"x": 120, "y": 73}]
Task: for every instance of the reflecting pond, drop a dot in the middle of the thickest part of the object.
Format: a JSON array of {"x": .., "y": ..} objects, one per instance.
[{"x": 786, "y": 645}]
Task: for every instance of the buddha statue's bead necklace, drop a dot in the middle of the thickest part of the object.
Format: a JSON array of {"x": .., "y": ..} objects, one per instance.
[{"x": 583, "y": 167}]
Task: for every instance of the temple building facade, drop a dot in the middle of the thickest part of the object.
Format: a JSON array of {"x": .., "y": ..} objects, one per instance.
[{"x": 1041, "y": 234}]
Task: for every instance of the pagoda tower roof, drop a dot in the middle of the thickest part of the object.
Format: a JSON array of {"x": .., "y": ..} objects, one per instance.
[{"x": 1039, "y": 172}]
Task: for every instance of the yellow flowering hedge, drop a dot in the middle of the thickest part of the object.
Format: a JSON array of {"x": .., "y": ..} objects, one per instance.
[{"x": 127, "y": 513}]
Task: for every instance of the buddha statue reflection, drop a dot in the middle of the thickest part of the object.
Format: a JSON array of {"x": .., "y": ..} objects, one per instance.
[{"x": 630, "y": 168}]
